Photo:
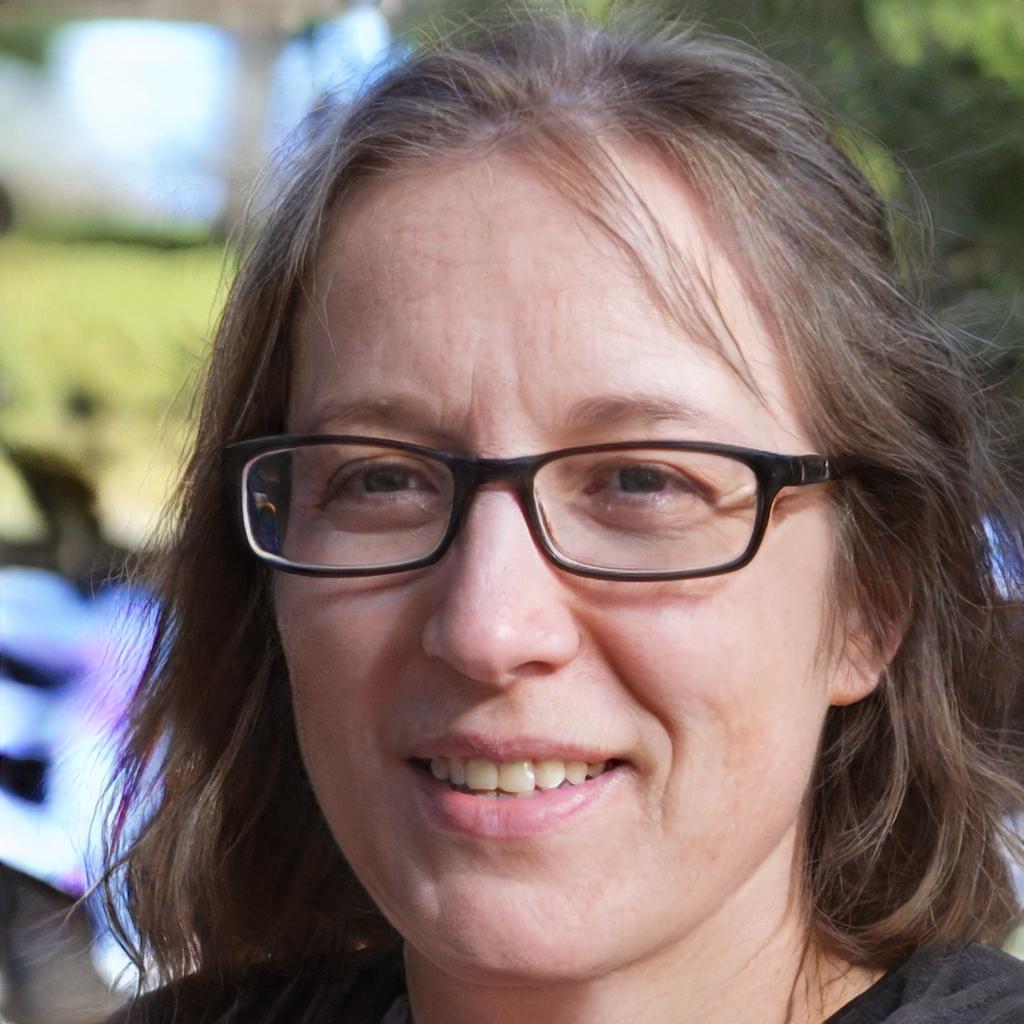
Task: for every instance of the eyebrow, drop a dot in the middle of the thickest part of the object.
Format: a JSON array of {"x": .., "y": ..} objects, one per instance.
[
  {"x": 405, "y": 411},
  {"x": 613, "y": 410},
  {"x": 608, "y": 411}
]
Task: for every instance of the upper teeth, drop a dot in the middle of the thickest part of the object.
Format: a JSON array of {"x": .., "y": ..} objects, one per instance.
[{"x": 513, "y": 776}]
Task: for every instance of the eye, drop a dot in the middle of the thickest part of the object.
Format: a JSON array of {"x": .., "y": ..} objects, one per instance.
[
  {"x": 643, "y": 478},
  {"x": 385, "y": 479},
  {"x": 366, "y": 478}
]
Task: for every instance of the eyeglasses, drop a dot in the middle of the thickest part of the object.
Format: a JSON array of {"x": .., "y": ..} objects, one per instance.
[{"x": 336, "y": 506}]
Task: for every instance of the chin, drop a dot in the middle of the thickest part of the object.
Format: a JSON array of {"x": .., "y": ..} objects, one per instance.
[
  {"x": 499, "y": 939},
  {"x": 519, "y": 964}
]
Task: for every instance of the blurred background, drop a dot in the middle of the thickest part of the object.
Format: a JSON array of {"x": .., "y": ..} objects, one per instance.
[{"x": 131, "y": 135}]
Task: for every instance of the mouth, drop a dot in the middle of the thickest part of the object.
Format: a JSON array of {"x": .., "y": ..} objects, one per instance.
[{"x": 511, "y": 780}]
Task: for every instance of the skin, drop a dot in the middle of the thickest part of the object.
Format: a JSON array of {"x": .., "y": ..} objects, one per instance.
[{"x": 469, "y": 308}]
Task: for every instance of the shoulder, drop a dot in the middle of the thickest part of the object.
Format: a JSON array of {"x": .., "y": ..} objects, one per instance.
[
  {"x": 357, "y": 991},
  {"x": 944, "y": 984}
]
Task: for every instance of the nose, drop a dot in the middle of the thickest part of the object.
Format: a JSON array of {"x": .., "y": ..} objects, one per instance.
[{"x": 502, "y": 612}]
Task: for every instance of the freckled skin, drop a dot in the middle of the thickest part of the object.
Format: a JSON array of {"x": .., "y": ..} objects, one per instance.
[{"x": 478, "y": 291}]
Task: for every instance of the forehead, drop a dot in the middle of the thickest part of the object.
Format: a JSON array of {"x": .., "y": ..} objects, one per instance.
[{"x": 473, "y": 302}]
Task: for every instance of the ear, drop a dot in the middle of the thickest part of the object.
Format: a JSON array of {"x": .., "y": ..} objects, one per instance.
[{"x": 862, "y": 659}]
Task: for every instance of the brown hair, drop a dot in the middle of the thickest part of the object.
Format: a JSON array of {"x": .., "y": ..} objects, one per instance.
[{"x": 906, "y": 840}]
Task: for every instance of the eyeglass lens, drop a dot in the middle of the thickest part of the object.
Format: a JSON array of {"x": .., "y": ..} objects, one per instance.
[{"x": 361, "y": 507}]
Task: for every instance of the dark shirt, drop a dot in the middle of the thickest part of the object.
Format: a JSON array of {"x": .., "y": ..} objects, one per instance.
[
  {"x": 359, "y": 991},
  {"x": 943, "y": 985},
  {"x": 937, "y": 985}
]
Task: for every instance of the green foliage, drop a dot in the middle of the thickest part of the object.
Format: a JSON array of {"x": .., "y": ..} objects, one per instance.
[
  {"x": 99, "y": 345},
  {"x": 991, "y": 32},
  {"x": 595, "y": 10},
  {"x": 25, "y": 36},
  {"x": 930, "y": 87},
  {"x": 121, "y": 231},
  {"x": 873, "y": 160}
]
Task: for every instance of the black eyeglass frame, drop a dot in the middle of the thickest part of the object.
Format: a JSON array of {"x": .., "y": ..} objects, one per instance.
[{"x": 772, "y": 471}]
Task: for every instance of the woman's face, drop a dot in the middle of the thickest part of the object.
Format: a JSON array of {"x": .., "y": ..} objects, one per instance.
[{"x": 471, "y": 309}]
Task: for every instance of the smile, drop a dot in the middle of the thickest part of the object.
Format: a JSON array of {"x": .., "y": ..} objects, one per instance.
[
  {"x": 511, "y": 779},
  {"x": 513, "y": 799}
]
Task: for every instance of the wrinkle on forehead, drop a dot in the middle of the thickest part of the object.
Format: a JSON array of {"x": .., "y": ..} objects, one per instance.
[{"x": 368, "y": 260}]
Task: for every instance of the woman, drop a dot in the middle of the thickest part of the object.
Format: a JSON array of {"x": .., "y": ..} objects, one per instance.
[{"x": 583, "y": 604}]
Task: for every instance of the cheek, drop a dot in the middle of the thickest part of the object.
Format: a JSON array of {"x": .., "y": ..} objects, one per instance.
[
  {"x": 345, "y": 654},
  {"x": 730, "y": 674},
  {"x": 340, "y": 640},
  {"x": 340, "y": 654}
]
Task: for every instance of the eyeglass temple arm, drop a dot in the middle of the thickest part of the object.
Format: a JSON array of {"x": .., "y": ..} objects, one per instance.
[{"x": 812, "y": 469}]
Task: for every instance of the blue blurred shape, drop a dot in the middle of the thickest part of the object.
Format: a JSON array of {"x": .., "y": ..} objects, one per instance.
[
  {"x": 330, "y": 63},
  {"x": 140, "y": 118},
  {"x": 84, "y": 656},
  {"x": 154, "y": 100}
]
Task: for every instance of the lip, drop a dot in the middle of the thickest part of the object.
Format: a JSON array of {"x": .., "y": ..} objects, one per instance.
[
  {"x": 501, "y": 751},
  {"x": 545, "y": 812}
]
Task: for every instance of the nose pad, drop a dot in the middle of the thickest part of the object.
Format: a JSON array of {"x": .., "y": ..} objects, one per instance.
[{"x": 501, "y": 611}]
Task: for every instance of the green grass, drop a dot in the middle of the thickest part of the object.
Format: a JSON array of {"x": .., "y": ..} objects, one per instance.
[{"x": 100, "y": 346}]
